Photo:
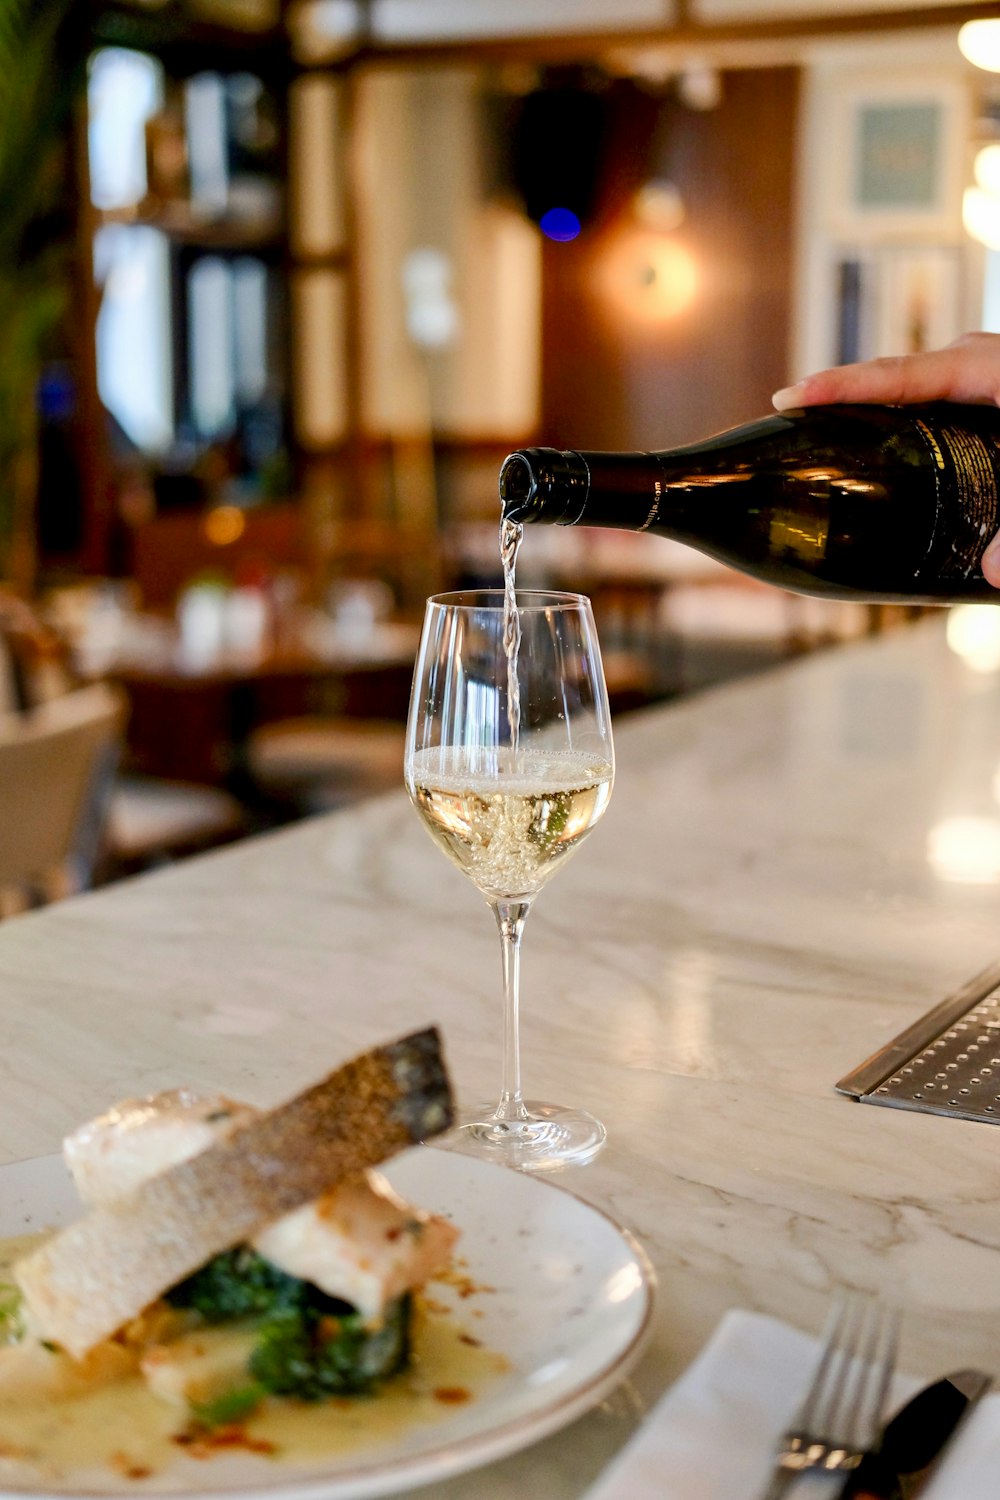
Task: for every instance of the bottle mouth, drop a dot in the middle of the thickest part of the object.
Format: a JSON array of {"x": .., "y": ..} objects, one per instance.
[
  {"x": 544, "y": 484},
  {"x": 516, "y": 486}
]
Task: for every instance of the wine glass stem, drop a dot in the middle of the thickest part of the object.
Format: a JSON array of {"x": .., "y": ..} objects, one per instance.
[{"x": 510, "y": 917}]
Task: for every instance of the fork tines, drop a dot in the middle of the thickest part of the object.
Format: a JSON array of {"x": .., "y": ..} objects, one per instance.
[
  {"x": 848, "y": 1393},
  {"x": 840, "y": 1415}
]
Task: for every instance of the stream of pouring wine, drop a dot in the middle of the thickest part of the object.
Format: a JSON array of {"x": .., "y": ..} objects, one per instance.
[{"x": 511, "y": 533}]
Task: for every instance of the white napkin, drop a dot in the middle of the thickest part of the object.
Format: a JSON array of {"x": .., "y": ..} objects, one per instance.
[{"x": 713, "y": 1435}]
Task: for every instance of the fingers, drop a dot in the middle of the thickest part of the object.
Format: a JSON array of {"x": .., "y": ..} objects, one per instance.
[
  {"x": 990, "y": 562},
  {"x": 967, "y": 370}
]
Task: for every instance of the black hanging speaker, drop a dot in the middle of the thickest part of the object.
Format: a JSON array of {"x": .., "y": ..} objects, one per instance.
[{"x": 556, "y": 144}]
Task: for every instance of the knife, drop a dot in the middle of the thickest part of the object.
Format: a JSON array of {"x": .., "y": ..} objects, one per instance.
[{"x": 912, "y": 1443}]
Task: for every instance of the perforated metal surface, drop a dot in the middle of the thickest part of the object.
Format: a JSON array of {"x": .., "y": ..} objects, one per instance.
[{"x": 947, "y": 1063}]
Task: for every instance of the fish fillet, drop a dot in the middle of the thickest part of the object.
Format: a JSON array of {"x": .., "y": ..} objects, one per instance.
[{"x": 92, "y": 1277}]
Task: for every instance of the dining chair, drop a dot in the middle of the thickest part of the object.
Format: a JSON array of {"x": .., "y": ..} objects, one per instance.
[
  {"x": 315, "y": 762},
  {"x": 151, "y": 821},
  {"x": 57, "y": 764}
]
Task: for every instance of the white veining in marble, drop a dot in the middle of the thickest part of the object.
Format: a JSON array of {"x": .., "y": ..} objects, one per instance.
[{"x": 756, "y": 914}]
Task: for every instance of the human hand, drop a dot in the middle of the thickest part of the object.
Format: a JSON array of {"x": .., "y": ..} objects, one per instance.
[{"x": 966, "y": 371}]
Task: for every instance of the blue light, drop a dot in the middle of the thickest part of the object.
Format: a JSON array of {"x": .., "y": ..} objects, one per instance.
[{"x": 559, "y": 224}]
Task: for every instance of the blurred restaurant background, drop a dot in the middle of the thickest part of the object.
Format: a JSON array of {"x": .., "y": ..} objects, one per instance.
[{"x": 282, "y": 281}]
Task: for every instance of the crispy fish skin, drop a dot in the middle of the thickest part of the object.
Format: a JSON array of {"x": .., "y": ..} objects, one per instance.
[
  {"x": 360, "y": 1241},
  {"x": 92, "y": 1277}
]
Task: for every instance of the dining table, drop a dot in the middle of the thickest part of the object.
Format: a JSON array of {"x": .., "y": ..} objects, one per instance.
[
  {"x": 196, "y": 696},
  {"x": 793, "y": 869}
]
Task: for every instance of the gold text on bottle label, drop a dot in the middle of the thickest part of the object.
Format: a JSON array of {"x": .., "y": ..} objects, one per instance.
[{"x": 933, "y": 443}]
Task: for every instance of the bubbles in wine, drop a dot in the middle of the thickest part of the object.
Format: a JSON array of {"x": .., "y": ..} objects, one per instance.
[{"x": 508, "y": 821}]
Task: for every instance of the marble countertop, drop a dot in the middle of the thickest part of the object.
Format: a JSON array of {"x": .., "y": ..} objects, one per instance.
[{"x": 793, "y": 869}]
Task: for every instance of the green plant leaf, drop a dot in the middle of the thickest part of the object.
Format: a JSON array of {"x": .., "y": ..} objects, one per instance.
[{"x": 42, "y": 69}]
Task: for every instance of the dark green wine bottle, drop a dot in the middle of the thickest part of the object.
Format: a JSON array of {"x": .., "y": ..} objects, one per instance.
[{"x": 878, "y": 503}]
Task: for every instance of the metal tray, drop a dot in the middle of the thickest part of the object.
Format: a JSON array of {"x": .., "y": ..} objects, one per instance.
[{"x": 947, "y": 1063}]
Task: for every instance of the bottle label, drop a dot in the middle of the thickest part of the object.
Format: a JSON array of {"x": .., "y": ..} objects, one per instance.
[{"x": 969, "y": 470}]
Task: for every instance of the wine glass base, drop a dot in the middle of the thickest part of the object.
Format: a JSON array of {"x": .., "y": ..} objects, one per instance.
[{"x": 546, "y": 1138}]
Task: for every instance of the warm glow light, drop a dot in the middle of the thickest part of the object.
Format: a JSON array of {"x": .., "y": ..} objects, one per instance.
[
  {"x": 224, "y": 524},
  {"x": 659, "y": 205},
  {"x": 973, "y": 633},
  {"x": 987, "y": 169},
  {"x": 700, "y": 87},
  {"x": 981, "y": 216},
  {"x": 979, "y": 43},
  {"x": 965, "y": 850},
  {"x": 648, "y": 277}
]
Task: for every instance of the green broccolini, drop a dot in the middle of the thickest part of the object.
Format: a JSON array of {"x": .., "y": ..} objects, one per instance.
[
  {"x": 231, "y": 1407},
  {"x": 310, "y": 1345},
  {"x": 238, "y": 1283},
  {"x": 311, "y": 1353}
]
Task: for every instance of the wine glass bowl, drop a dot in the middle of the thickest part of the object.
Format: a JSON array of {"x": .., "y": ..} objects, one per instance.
[{"x": 510, "y": 763}]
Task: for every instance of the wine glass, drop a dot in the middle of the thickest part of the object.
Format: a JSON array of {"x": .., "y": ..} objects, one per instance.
[{"x": 509, "y": 761}]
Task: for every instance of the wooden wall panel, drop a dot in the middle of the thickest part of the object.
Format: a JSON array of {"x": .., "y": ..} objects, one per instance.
[{"x": 615, "y": 375}]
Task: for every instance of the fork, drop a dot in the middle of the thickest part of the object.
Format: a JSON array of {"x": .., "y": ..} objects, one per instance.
[{"x": 839, "y": 1416}]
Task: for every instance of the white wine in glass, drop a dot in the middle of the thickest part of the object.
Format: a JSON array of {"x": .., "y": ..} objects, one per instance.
[{"x": 510, "y": 763}]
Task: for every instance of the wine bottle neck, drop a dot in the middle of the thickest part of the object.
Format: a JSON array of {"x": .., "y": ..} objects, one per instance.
[{"x": 553, "y": 487}]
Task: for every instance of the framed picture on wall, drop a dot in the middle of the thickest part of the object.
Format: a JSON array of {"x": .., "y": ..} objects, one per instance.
[
  {"x": 899, "y": 170},
  {"x": 885, "y": 265}
]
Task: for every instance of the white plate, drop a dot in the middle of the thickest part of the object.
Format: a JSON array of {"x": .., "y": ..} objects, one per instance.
[{"x": 564, "y": 1294}]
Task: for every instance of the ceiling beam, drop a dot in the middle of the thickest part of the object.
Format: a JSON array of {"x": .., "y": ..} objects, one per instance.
[{"x": 687, "y": 32}]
